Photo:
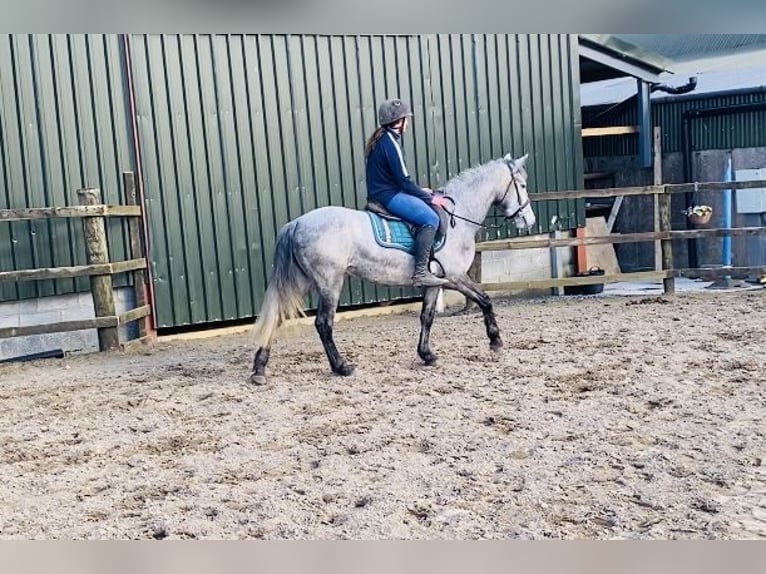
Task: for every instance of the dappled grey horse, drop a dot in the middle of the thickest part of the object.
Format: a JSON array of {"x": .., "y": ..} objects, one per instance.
[{"x": 316, "y": 251}]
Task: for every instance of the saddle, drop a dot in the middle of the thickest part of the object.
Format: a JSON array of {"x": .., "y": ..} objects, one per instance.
[{"x": 392, "y": 231}]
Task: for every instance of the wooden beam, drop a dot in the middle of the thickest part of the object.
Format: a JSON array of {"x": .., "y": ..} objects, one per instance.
[
  {"x": 75, "y": 271},
  {"x": 613, "y": 212},
  {"x": 98, "y": 210},
  {"x": 134, "y": 314},
  {"x": 98, "y": 323},
  {"x": 564, "y": 281},
  {"x": 645, "y": 190},
  {"x": 97, "y": 252},
  {"x": 609, "y": 131},
  {"x": 668, "y": 283},
  {"x": 547, "y": 243}
]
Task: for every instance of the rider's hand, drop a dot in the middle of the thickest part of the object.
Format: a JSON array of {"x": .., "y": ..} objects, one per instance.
[{"x": 439, "y": 200}]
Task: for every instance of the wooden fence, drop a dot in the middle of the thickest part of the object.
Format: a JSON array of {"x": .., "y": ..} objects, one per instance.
[
  {"x": 99, "y": 268},
  {"x": 662, "y": 233}
]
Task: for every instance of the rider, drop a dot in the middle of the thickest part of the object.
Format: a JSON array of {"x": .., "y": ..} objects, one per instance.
[{"x": 389, "y": 183}]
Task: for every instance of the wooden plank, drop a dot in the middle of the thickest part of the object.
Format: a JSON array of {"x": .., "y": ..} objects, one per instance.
[
  {"x": 75, "y": 271},
  {"x": 645, "y": 190},
  {"x": 100, "y": 285},
  {"x": 564, "y": 281},
  {"x": 134, "y": 315},
  {"x": 718, "y": 232},
  {"x": 98, "y": 323},
  {"x": 546, "y": 243},
  {"x": 603, "y": 192},
  {"x": 613, "y": 212},
  {"x": 74, "y": 211},
  {"x": 609, "y": 131}
]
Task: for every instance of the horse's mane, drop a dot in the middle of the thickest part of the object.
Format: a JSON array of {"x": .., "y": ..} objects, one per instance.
[{"x": 471, "y": 177}]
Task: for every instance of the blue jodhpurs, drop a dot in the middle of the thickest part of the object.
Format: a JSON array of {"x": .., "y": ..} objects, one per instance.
[{"x": 413, "y": 210}]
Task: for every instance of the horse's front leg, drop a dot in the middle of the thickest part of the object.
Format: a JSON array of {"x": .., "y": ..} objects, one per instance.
[
  {"x": 324, "y": 323},
  {"x": 467, "y": 287},
  {"x": 427, "y": 313}
]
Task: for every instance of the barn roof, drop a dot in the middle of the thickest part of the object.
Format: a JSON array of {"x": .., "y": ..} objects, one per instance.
[
  {"x": 719, "y": 62},
  {"x": 606, "y": 57}
]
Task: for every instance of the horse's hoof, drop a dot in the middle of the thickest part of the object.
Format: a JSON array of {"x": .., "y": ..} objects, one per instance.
[
  {"x": 345, "y": 369},
  {"x": 430, "y": 359},
  {"x": 257, "y": 380},
  {"x": 496, "y": 345}
]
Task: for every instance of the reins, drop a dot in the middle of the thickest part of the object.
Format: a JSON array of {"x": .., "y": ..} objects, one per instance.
[{"x": 515, "y": 214}]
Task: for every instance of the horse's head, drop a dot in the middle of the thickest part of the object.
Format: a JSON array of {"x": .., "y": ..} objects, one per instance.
[{"x": 514, "y": 200}]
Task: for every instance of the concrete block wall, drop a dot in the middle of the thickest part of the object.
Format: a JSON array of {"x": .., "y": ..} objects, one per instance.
[
  {"x": 71, "y": 307},
  {"x": 523, "y": 264}
]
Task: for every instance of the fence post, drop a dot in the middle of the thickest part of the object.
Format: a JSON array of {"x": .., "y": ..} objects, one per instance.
[
  {"x": 136, "y": 250},
  {"x": 657, "y": 181},
  {"x": 101, "y": 285},
  {"x": 668, "y": 283}
]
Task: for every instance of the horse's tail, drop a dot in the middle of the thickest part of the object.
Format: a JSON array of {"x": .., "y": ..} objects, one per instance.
[{"x": 286, "y": 289}]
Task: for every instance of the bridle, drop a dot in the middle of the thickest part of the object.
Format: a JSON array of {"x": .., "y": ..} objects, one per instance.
[{"x": 514, "y": 215}]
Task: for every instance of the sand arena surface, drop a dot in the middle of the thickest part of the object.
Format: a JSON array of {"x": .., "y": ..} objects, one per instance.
[{"x": 610, "y": 417}]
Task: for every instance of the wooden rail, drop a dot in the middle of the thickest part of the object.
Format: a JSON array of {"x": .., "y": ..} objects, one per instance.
[
  {"x": 99, "y": 268},
  {"x": 662, "y": 234}
]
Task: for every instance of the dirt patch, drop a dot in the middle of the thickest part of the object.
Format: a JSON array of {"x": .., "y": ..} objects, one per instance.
[{"x": 601, "y": 418}]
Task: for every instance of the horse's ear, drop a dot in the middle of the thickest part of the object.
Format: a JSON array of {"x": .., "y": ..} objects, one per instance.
[
  {"x": 507, "y": 157},
  {"x": 521, "y": 161}
]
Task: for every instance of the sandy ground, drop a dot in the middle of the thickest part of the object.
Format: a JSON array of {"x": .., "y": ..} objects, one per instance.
[{"x": 614, "y": 417}]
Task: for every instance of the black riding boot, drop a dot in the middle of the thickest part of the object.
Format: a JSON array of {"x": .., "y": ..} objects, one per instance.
[{"x": 424, "y": 239}]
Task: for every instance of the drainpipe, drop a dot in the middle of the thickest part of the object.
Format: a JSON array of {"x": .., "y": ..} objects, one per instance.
[
  {"x": 127, "y": 62},
  {"x": 686, "y": 150},
  {"x": 644, "y": 124}
]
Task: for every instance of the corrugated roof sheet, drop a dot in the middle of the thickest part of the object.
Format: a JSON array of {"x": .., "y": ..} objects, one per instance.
[{"x": 681, "y": 47}]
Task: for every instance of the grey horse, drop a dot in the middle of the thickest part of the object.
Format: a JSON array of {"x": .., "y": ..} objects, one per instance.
[{"x": 315, "y": 252}]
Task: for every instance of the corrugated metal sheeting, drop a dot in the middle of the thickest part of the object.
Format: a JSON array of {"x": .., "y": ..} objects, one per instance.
[
  {"x": 237, "y": 134},
  {"x": 63, "y": 126},
  {"x": 741, "y": 130}
]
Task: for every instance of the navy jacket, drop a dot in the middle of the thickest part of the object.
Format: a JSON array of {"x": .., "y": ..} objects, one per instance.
[{"x": 386, "y": 172}]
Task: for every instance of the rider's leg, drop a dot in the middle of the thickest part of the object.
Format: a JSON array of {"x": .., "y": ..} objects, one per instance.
[{"x": 419, "y": 213}]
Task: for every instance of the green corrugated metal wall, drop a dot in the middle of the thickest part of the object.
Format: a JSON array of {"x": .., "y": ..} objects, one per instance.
[
  {"x": 240, "y": 133},
  {"x": 741, "y": 130},
  {"x": 63, "y": 126}
]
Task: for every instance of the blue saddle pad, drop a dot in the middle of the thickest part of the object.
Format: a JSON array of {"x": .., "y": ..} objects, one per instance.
[{"x": 396, "y": 234}]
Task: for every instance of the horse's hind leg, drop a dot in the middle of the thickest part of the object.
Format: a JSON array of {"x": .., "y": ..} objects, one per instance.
[
  {"x": 467, "y": 287},
  {"x": 427, "y": 313},
  {"x": 258, "y": 376},
  {"x": 328, "y": 302}
]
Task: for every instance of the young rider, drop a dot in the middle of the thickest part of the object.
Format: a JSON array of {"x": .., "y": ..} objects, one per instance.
[{"x": 389, "y": 183}]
